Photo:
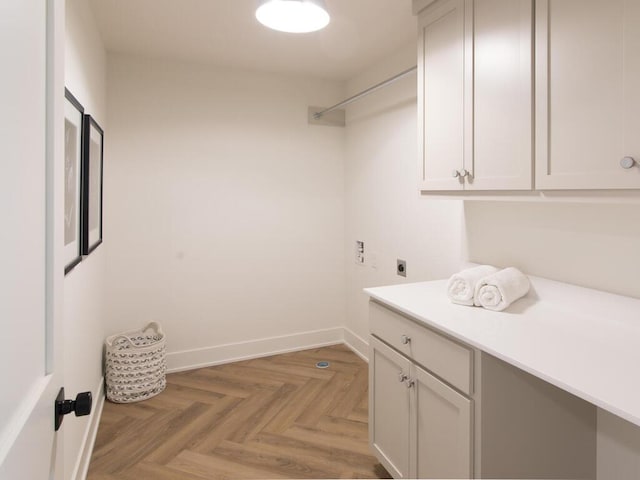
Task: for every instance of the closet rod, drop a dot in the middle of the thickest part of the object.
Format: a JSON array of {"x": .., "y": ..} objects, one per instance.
[{"x": 369, "y": 90}]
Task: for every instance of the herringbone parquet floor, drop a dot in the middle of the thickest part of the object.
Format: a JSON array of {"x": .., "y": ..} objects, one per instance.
[{"x": 274, "y": 417}]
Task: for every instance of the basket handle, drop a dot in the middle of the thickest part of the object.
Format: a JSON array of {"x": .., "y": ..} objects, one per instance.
[{"x": 156, "y": 326}]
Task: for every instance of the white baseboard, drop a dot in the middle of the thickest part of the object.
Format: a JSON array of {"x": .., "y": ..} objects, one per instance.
[
  {"x": 356, "y": 343},
  {"x": 234, "y": 352},
  {"x": 89, "y": 440}
]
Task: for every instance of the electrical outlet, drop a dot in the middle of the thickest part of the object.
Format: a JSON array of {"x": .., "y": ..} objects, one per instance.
[
  {"x": 359, "y": 252},
  {"x": 401, "y": 268}
]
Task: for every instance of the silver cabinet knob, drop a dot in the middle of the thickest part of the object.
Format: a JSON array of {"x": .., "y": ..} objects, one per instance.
[
  {"x": 464, "y": 173},
  {"x": 402, "y": 377},
  {"x": 405, "y": 340},
  {"x": 410, "y": 383},
  {"x": 455, "y": 173},
  {"x": 627, "y": 162}
]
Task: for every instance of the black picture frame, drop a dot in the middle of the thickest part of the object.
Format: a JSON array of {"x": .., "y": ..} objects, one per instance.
[
  {"x": 92, "y": 175},
  {"x": 74, "y": 148}
]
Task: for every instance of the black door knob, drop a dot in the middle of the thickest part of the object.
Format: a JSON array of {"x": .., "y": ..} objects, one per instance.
[
  {"x": 81, "y": 406},
  {"x": 83, "y": 403}
]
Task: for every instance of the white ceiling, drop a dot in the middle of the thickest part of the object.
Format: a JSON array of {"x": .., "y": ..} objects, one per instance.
[{"x": 225, "y": 33}]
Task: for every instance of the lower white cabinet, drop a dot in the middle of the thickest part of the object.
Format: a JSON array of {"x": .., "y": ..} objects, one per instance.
[
  {"x": 441, "y": 428},
  {"x": 420, "y": 427},
  {"x": 389, "y": 421},
  {"x": 441, "y": 409}
]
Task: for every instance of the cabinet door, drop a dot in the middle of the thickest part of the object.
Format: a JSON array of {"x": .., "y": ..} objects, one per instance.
[
  {"x": 441, "y": 429},
  {"x": 441, "y": 117},
  {"x": 389, "y": 403},
  {"x": 502, "y": 114},
  {"x": 587, "y": 95}
]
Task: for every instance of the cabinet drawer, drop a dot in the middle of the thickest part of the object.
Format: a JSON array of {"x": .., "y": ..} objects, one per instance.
[{"x": 447, "y": 359}]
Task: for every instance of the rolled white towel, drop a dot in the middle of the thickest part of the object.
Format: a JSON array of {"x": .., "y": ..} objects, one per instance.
[
  {"x": 498, "y": 291},
  {"x": 461, "y": 286}
]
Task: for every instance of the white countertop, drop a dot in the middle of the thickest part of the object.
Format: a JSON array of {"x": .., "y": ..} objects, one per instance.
[{"x": 584, "y": 341}]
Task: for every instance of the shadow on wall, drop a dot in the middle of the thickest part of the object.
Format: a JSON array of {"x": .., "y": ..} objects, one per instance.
[{"x": 592, "y": 245}]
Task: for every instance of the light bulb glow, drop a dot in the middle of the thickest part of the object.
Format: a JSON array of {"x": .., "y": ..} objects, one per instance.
[{"x": 293, "y": 16}]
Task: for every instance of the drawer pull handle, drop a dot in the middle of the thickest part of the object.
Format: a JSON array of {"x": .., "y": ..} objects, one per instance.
[
  {"x": 402, "y": 377},
  {"x": 405, "y": 340}
]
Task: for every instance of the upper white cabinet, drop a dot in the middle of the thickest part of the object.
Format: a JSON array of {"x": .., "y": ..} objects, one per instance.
[
  {"x": 502, "y": 95},
  {"x": 475, "y": 95},
  {"x": 441, "y": 95},
  {"x": 587, "y": 94}
]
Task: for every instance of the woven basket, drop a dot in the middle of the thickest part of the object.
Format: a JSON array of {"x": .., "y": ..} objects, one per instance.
[{"x": 136, "y": 364}]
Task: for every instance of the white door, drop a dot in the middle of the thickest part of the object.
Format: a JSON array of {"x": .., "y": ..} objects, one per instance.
[
  {"x": 31, "y": 94},
  {"x": 389, "y": 405},
  {"x": 587, "y": 96},
  {"x": 441, "y": 429},
  {"x": 441, "y": 96},
  {"x": 502, "y": 96}
]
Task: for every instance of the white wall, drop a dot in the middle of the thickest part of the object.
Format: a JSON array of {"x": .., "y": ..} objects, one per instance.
[
  {"x": 85, "y": 77},
  {"x": 383, "y": 205},
  {"x": 224, "y": 208},
  {"x": 594, "y": 245}
]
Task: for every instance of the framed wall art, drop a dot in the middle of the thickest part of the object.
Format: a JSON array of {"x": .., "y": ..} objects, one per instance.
[
  {"x": 92, "y": 161},
  {"x": 73, "y": 148}
]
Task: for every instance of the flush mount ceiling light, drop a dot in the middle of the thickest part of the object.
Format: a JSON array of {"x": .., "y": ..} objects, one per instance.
[{"x": 293, "y": 16}]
